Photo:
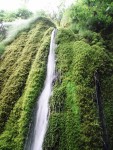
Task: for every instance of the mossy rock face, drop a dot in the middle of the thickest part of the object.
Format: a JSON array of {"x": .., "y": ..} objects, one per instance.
[
  {"x": 74, "y": 120},
  {"x": 23, "y": 69}
]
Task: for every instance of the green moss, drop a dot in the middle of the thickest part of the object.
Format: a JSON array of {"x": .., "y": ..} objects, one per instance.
[
  {"x": 74, "y": 120},
  {"x": 15, "y": 82},
  {"x": 2, "y": 48},
  {"x": 65, "y": 35},
  {"x": 9, "y": 58},
  {"x": 22, "y": 85}
]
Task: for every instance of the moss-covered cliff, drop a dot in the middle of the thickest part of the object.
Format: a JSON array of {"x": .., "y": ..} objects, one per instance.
[
  {"x": 81, "y": 105},
  {"x": 23, "y": 69},
  {"x": 75, "y": 123}
]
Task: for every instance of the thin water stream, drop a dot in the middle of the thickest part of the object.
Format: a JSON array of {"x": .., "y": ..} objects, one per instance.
[{"x": 39, "y": 128}]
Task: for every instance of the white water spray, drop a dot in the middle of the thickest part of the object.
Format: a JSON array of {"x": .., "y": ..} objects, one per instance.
[
  {"x": 42, "y": 111},
  {"x": 13, "y": 28}
]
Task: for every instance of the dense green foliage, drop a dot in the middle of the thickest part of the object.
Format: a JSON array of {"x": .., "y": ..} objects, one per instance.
[
  {"x": 84, "y": 48},
  {"x": 21, "y": 86},
  {"x": 2, "y": 48},
  {"x": 90, "y": 15},
  {"x": 74, "y": 121},
  {"x": 11, "y": 16}
]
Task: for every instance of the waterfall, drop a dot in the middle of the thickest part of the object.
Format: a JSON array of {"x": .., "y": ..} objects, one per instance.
[
  {"x": 101, "y": 111},
  {"x": 35, "y": 141}
]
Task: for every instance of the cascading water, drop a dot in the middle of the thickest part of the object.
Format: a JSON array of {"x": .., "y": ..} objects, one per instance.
[{"x": 37, "y": 137}]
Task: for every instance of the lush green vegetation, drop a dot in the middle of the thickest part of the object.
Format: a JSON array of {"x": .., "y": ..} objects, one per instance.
[
  {"x": 22, "y": 13},
  {"x": 74, "y": 121},
  {"x": 84, "y": 48},
  {"x": 20, "y": 87}
]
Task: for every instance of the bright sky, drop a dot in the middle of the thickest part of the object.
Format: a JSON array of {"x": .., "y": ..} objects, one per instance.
[{"x": 33, "y": 5}]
